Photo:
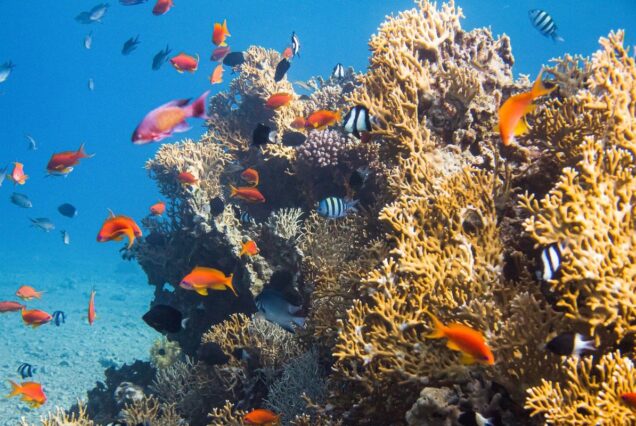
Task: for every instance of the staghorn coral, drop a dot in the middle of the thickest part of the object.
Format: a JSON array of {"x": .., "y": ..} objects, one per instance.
[
  {"x": 227, "y": 415},
  {"x": 164, "y": 353},
  {"x": 570, "y": 73},
  {"x": 286, "y": 223},
  {"x": 61, "y": 418},
  {"x": 151, "y": 411}
]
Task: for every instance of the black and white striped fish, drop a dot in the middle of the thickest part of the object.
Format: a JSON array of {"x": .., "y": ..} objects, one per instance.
[
  {"x": 26, "y": 370},
  {"x": 246, "y": 218},
  {"x": 544, "y": 23},
  {"x": 357, "y": 120},
  {"x": 550, "y": 261},
  {"x": 338, "y": 71},
  {"x": 59, "y": 318},
  {"x": 336, "y": 207},
  {"x": 295, "y": 44},
  {"x": 570, "y": 344}
]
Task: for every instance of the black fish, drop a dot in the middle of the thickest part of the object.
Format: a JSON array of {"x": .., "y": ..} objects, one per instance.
[
  {"x": 160, "y": 58},
  {"x": 544, "y": 23},
  {"x": 21, "y": 200},
  {"x": 212, "y": 354},
  {"x": 569, "y": 344},
  {"x": 216, "y": 206},
  {"x": 263, "y": 135},
  {"x": 357, "y": 120},
  {"x": 473, "y": 418},
  {"x": 294, "y": 139},
  {"x": 67, "y": 210},
  {"x": 26, "y": 370},
  {"x": 164, "y": 318},
  {"x": 233, "y": 59},
  {"x": 130, "y": 45},
  {"x": 281, "y": 69},
  {"x": 304, "y": 97},
  {"x": 59, "y": 318}
]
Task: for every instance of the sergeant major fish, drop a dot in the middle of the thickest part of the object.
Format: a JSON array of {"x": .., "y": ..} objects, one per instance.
[
  {"x": 544, "y": 23},
  {"x": 336, "y": 207}
]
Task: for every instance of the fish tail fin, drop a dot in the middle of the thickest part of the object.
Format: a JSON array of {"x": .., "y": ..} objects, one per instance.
[
  {"x": 243, "y": 251},
  {"x": 439, "y": 328},
  {"x": 15, "y": 389},
  {"x": 228, "y": 284},
  {"x": 131, "y": 237},
  {"x": 557, "y": 37},
  {"x": 539, "y": 89},
  {"x": 81, "y": 153},
  {"x": 233, "y": 191},
  {"x": 38, "y": 294},
  {"x": 225, "y": 30},
  {"x": 197, "y": 108}
]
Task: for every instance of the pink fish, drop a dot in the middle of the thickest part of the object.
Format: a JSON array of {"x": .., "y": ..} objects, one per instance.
[
  {"x": 219, "y": 53},
  {"x": 162, "y": 122}
]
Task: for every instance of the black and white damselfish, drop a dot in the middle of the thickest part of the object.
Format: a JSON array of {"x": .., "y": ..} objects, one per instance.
[
  {"x": 26, "y": 370},
  {"x": 544, "y": 23},
  {"x": 357, "y": 121},
  {"x": 550, "y": 261},
  {"x": 295, "y": 44},
  {"x": 570, "y": 344},
  {"x": 338, "y": 71}
]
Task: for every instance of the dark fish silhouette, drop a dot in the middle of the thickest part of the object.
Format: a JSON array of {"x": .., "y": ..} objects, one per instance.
[
  {"x": 278, "y": 310},
  {"x": 281, "y": 69},
  {"x": 67, "y": 210},
  {"x": 160, "y": 58},
  {"x": 130, "y": 45},
  {"x": 59, "y": 318},
  {"x": 233, "y": 59},
  {"x": 216, "y": 206},
  {"x": 294, "y": 139},
  {"x": 263, "y": 135},
  {"x": 569, "y": 344},
  {"x": 21, "y": 200},
  {"x": 212, "y": 354},
  {"x": 26, "y": 370},
  {"x": 164, "y": 318}
]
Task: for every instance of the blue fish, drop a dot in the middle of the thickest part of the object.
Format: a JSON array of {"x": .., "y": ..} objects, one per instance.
[
  {"x": 5, "y": 71},
  {"x": 130, "y": 45},
  {"x": 544, "y": 23},
  {"x": 160, "y": 58},
  {"x": 59, "y": 318},
  {"x": 336, "y": 207}
]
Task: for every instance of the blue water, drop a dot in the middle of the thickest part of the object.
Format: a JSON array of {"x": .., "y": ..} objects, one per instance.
[{"x": 47, "y": 97}]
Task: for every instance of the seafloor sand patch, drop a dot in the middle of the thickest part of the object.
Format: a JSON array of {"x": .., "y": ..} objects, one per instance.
[{"x": 72, "y": 357}]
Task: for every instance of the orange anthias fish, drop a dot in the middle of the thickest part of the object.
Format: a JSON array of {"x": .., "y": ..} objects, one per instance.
[
  {"x": 187, "y": 178},
  {"x": 203, "y": 279},
  {"x": 183, "y": 62},
  {"x": 261, "y": 416},
  {"x": 27, "y": 292},
  {"x": 158, "y": 208},
  {"x": 288, "y": 52},
  {"x": 220, "y": 33},
  {"x": 35, "y": 317},
  {"x": 162, "y": 6},
  {"x": 629, "y": 398},
  {"x": 17, "y": 174},
  {"x": 115, "y": 228},
  {"x": 32, "y": 393},
  {"x": 513, "y": 111},
  {"x": 91, "y": 308},
  {"x": 298, "y": 123},
  {"x": 322, "y": 118},
  {"x": 62, "y": 163},
  {"x": 250, "y": 176},
  {"x": 249, "y": 248},
  {"x": 464, "y": 339},
  {"x": 8, "y": 306},
  {"x": 247, "y": 193},
  {"x": 217, "y": 75},
  {"x": 278, "y": 100}
]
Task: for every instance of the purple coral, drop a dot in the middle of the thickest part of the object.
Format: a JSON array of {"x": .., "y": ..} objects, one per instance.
[{"x": 324, "y": 148}]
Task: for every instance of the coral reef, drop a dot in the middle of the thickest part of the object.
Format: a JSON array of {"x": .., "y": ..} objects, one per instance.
[
  {"x": 325, "y": 148},
  {"x": 164, "y": 353},
  {"x": 61, "y": 418}
]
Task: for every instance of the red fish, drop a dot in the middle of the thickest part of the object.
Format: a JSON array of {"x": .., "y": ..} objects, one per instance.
[
  {"x": 161, "y": 122},
  {"x": 158, "y": 208},
  {"x": 203, "y": 279},
  {"x": 26, "y": 292},
  {"x": 162, "y": 7},
  {"x": 63, "y": 162},
  {"x": 35, "y": 317},
  {"x": 32, "y": 393},
  {"x": 261, "y": 417},
  {"x": 7, "y": 306},
  {"x": 464, "y": 339},
  {"x": 217, "y": 75},
  {"x": 629, "y": 398},
  {"x": 278, "y": 100},
  {"x": 220, "y": 33},
  {"x": 115, "y": 228},
  {"x": 187, "y": 178},
  {"x": 322, "y": 118},
  {"x": 513, "y": 111},
  {"x": 250, "y": 176},
  {"x": 250, "y": 248},
  {"x": 247, "y": 193},
  {"x": 298, "y": 123},
  {"x": 91, "y": 308},
  {"x": 183, "y": 62},
  {"x": 288, "y": 52},
  {"x": 17, "y": 174},
  {"x": 219, "y": 53}
]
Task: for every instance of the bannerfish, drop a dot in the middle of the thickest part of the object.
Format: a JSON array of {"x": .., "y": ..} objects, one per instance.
[
  {"x": 357, "y": 121},
  {"x": 42, "y": 223},
  {"x": 160, "y": 58},
  {"x": 216, "y": 206},
  {"x": 67, "y": 210},
  {"x": 33, "y": 146},
  {"x": 162, "y": 7},
  {"x": 338, "y": 71},
  {"x": 261, "y": 416},
  {"x": 130, "y": 45},
  {"x": 88, "y": 40},
  {"x": 278, "y": 100},
  {"x": 336, "y": 207},
  {"x": 249, "y": 248},
  {"x": 31, "y": 392},
  {"x": 570, "y": 344},
  {"x": 59, "y": 318},
  {"x": 220, "y": 33},
  {"x": 322, "y": 118},
  {"x": 115, "y": 227},
  {"x": 461, "y": 338},
  {"x": 35, "y": 317},
  {"x": 91, "y": 84},
  {"x": 91, "y": 308},
  {"x": 550, "y": 261},
  {"x": 278, "y": 310},
  {"x": 219, "y": 53},
  {"x": 158, "y": 208},
  {"x": 5, "y": 71},
  {"x": 473, "y": 418},
  {"x": 217, "y": 75},
  {"x": 263, "y": 135},
  {"x": 281, "y": 69},
  {"x": 250, "y": 176},
  {"x": 212, "y": 354},
  {"x": 9, "y": 306},
  {"x": 187, "y": 178},
  {"x": 165, "y": 319},
  {"x": 202, "y": 279},
  {"x": 233, "y": 59},
  {"x": 26, "y": 292},
  {"x": 66, "y": 238},
  {"x": 293, "y": 139},
  {"x": 247, "y": 193},
  {"x": 63, "y": 162},
  {"x": 544, "y": 23},
  {"x": 26, "y": 370},
  {"x": 184, "y": 62},
  {"x": 21, "y": 200},
  {"x": 17, "y": 175}
]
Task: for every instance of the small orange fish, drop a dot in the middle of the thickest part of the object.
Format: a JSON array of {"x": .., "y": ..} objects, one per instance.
[
  {"x": 249, "y": 248},
  {"x": 262, "y": 417},
  {"x": 250, "y": 176},
  {"x": 288, "y": 52},
  {"x": 513, "y": 111},
  {"x": 203, "y": 279},
  {"x": 91, "y": 308},
  {"x": 464, "y": 339},
  {"x": 27, "y": 293},
  {"x": 247, "y": 193},
  {"x": 63, "y": 162},
  {"x": 217, "y": 75},
  {"x": 629, "y": 398},
  {"x": 162, "y": 7},
  {"x": 187, "y": 178},
  {"x": 17, "y": 174},
  {"x": 158, "y": 208},
  {"x": 8, "y": 306},
  {"x": 322, "y": 118},
  {"x": 115, "y": 228},
  {"x": 278, "y": 100},
  {"x": 220, "y": 33},
  {"x": 298, "y": 123},
  {"x": 183, "y": 62},
  {"x": 35, "y": 317},
  {"x": 32, "y": 393}
]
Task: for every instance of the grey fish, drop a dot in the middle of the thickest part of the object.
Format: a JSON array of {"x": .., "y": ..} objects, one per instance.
[
  {"x": 66, "y": 238},
  {"x": 21, "y": 200},
  {"x": 33, "y": 146},
  {"x": 131, "y": 2},
  {"x": 5, "y": 71},
  {"x": 130, "y": 45},
  {"x": 94, "y": 15},
  {"x": 91, "y": 84},
  {"x": 544, "y": 23},
  {"x": 278, "y": 310},
  {"x": 42, "y": 223},
  {"x": 88, "y": 40},
  {"x": 160, "y": 58},
  {"x": 3, "y": 174}
]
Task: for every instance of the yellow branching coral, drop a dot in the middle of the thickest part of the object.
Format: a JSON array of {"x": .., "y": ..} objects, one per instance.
[
  {"x": 151, "y": 411},
  {"x": 227, "y": 415},
  {"x": 61, "y": 418},
  {"x": 589, "y": 396}
]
